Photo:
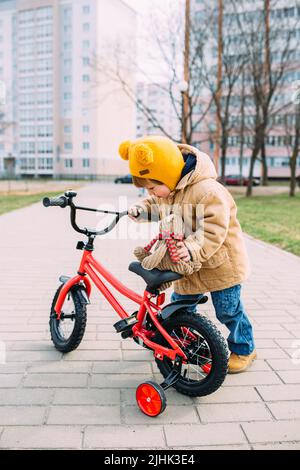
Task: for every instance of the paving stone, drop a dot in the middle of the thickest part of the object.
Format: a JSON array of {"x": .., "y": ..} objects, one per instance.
[
  {"x": 66, "y": 396},
  {"x": 230, "y": 395},
  {"x": 233, "y": 412},
  {"x": 201, "y": 435},
  {"x": 84, "y": 414},
  {"x": 171, "y": 415},
  {"x": 125, "y": 367},
  {"x": 32, "y": 356},
  {"x": 56, "y": 380},
  {"x": 290, "y": 376},
  {"x": 25, "y": 397},
  {"x": 283, "y": 410},
  {"x": 111, "y": 355},
  {"x": 252, "y": 378},
  {"x": 22, "y": 415},
  {"x": 118, "y": 380},
  {"x": 279, "y": 392},
  {"x": 272, "y": 432},
  {"x": 10, "y": 380},
  {"x": 284, "y": 364},
  {"x": 41, "y": 437},
  {"x": 124, "y": 437}
]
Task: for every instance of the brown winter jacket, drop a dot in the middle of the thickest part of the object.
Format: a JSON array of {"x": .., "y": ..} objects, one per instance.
[{"x": 213, "y": 233}]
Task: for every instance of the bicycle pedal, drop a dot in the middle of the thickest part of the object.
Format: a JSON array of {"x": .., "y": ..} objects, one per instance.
[
  {"x": 127, "y": 333},
  {"x": 125, "y": 324}
]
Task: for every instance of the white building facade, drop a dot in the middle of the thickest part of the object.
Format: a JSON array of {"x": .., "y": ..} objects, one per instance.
[
  {"x": 154, "y": 97},
  {"x": 64, "y": 121}
]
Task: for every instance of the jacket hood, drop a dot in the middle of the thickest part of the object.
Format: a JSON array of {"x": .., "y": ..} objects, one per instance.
[{"x": 204, "y": 169}]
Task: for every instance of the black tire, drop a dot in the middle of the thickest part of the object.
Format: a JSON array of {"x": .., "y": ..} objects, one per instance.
[
  {"x": 61, "y": 343},
  {"x": 216, "y": 353}
]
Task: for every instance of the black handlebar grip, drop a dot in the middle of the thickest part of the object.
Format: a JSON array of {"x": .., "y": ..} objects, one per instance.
[{"x": 60, "y": 201}]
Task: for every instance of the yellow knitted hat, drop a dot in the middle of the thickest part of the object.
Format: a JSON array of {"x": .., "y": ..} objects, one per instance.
[{"x": 154, "y": 157}]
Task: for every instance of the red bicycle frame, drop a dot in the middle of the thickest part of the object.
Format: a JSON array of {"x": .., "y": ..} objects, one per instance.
[{"x": 88, "y": 269}]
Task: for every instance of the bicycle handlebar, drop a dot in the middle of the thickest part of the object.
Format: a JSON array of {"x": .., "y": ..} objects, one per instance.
[
  {"x": 67, "y": 200},
  {"x": 60, "y": 201}
]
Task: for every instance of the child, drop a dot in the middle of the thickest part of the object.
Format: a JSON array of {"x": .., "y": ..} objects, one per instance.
[{"x": 180, "y": 175}]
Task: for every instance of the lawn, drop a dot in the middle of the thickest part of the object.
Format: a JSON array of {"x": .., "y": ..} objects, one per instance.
[
  {"x": 274, "y": 219},
  {"x": 11, "y": 202}
]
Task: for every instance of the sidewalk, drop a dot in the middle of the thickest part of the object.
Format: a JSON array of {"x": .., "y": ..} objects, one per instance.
[{"x": 86, "y": 399}]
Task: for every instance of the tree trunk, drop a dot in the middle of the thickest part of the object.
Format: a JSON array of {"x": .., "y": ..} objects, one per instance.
[
  {"x": 223, "y": 157},
  {"x": 264, "y": 165},
  {"x": 293, "y": 160},
  {"x": 252, "y": 163},
  {"x": 293, "y": 165}
]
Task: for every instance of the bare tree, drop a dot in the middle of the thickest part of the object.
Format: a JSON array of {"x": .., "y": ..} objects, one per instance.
[
  {"x": 268, "y": 47},
  {"x": 292, "y": 139},
  {"x": 165, "y": 51}
]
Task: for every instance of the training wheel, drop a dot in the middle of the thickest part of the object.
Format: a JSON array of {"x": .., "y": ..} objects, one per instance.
[{"x": 151, "y": 398}]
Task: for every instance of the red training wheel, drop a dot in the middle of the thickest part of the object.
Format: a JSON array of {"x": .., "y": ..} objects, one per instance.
[{"x": 151, "y": 398}]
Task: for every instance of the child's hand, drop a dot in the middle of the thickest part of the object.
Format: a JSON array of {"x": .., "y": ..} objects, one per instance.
[
  {"x": 134, "y": 212},
  {"x": 183, "y": 252}
]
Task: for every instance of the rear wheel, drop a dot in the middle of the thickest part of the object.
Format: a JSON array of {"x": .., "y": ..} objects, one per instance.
[
  {"x": 68, "y": 331},
  {"x": 205, "y": 348}
]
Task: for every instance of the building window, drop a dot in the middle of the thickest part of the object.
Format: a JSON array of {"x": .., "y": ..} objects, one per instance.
[
  {"x": 86, "y": 129},
  {"x": 86, "y": 145},
  {"x": 27, "y": 163},
  {"x": 68, "y": 146},
  {"x": 67, "y": 129},
  {"x": 44, "y": 47},
  {"x": 27, "y": 147},
  {"x": 86, "y": 163},
  {"x": 45, "y": 147},
  {"x": 45, "y": 163},
  {"x": 26, "y": 16},
  {"x": 67, "y": 13},
  {"x": 86, "y": 61},
  {"x": 69, "y": 163},
  {"x": 85, "y": 78},
  {"x": 86, "y": 27},
  {"x": 86, "y": 9},
  {"x": 45, "y": 131},
  {"x": 68, "y": 45},
  {"x": 44, "y": 31},
  {"x": 67, "y": 96},
  {"x": 86, "y": 44},
  {"x": 43, "y": 14},
  {"x": 68, "y": 63}
]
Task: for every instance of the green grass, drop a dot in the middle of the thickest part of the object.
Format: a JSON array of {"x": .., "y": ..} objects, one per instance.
[
  {"x": 11, "y": 202},
  {"x": 273, "y": 219}
]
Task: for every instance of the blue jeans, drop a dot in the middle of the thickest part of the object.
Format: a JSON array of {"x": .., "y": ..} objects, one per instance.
[{"x": 229, "y": 311}]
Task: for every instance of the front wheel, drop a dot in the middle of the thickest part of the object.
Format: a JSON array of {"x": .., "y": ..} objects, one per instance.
[
  {"x": 206, "y": 350},
  {"x": 68, "y": 331}
]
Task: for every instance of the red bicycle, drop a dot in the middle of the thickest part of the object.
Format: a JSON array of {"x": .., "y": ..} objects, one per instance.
[{"x": 188, "y": 349}]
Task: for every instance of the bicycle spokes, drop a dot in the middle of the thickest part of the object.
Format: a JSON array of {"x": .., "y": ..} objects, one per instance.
[{"x": 198, "y": 352}]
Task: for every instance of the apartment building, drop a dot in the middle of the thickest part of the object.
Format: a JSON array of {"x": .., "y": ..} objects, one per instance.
[
  {"x": 154, "y": 98},
  {"x": 65, "y": 118},
  {"x": 280, "y": 135}
]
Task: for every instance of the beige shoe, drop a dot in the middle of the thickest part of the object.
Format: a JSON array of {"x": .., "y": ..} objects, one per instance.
[{"x": 239, "y": 364}]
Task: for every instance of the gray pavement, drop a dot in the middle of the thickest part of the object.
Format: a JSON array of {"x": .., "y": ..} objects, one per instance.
[{"x": 86, "y": 399}]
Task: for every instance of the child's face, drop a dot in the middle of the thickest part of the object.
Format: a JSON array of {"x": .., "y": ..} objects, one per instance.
[{"x": 158, "y": 190}]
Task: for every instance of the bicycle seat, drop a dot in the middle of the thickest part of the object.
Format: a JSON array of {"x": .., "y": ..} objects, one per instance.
[{"x": 154, "y": 277}]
